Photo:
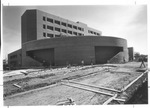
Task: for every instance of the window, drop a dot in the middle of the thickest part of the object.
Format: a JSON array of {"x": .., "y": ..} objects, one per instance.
[
  {"x": 98, "y": 34},
  {"x": 69, "y": 25},
  {"x": 44, "y": 26},
  {"x": 75, "y": 27},
  {"x": 57, "y": 29},
  {"x": 70, "y": 32},
  {"x": 79, "y": 28},
  {"x": 44, "y": 34},
  {"x": 82, "y": 29},
  {"x": 64, "y": 24},
  {"x": 13, "y": 56},
  {"x": 75, "y": 33},
  {"x": 63, "y": 30},
  {"x": 57, "y": 35},
  {"x": 79, "y": 34},
  {"x": 50, "y": 27},
  {"x": 50, "y": 35},
  {"x": 50, "y": 20},
  {"x": 92, "y": 32},
  {"x": 43, "y": 18},
  {"x": 57, "y": 22}
]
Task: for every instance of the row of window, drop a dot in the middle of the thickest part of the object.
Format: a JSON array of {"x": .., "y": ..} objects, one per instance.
[
  {"x": 70, "y": 32},
  {"x": 65, "y": 31},
  {"x": 50, "y": 35},
  {"x": 60, "y": 30},
  {"x": 13, "y": 63},
  {"x": 92, "y": 32},
  {"x": 13, "y": 56},
  {"x": 63, "y": 24}
]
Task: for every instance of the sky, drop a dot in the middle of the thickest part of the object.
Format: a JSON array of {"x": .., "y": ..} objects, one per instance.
[{"x": 123, "y": 21}]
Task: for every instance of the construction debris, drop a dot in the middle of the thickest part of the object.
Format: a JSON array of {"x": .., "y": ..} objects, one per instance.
[
  {"x": 79, "y": 83},
  {"x": 69, "y": 101},
  {"x": 25, "y": 73},
  {"x": 16, "y": 85}
]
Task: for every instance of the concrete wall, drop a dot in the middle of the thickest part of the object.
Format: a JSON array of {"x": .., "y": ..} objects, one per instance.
[
  {"x": 15, "y": 59},
  {"x": 75, "y": 49},
  {"x": 27, "y": 61},
  {"x": 131, "y": 53},
  {"x": 28, "y": 26},
  {"x": 73, "y": 54}
]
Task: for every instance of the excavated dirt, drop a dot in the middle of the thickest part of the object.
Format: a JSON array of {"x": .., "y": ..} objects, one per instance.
[{"x": 115, "y": 76}]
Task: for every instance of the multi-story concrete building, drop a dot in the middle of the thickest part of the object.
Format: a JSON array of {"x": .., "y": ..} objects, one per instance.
[
  {"x": 40, "y": 25},
  {"x": 50, "y": 40}
]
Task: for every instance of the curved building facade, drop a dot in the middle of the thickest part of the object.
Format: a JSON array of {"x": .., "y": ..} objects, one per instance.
[
  {"x": 72, "y": 50},
  {"x": 54, "y": 41}
]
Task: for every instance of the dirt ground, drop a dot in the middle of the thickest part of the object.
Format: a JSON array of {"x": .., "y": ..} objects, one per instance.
[{"x": 115, "y": 76}]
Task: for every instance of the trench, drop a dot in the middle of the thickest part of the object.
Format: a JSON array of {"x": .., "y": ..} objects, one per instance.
[{"x": 140, "y": 96}]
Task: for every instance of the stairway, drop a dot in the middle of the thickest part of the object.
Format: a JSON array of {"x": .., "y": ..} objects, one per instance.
[
  {"x": 41, "y": 61},
  {"x": 117, "y": 58}
]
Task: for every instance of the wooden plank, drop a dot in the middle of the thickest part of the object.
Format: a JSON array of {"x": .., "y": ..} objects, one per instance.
[
  {"x": 99, "y": 87},
  {"x": 66, "y": 102},
  {"x": 110, "y": 99},
  {"x": 126, "y": 87},
  {"x": 18, "y": 86},
  {"x": 117, "y": 99},
  {"x": 25, "y": 73},
  {"x": 91, "y": 90}
]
